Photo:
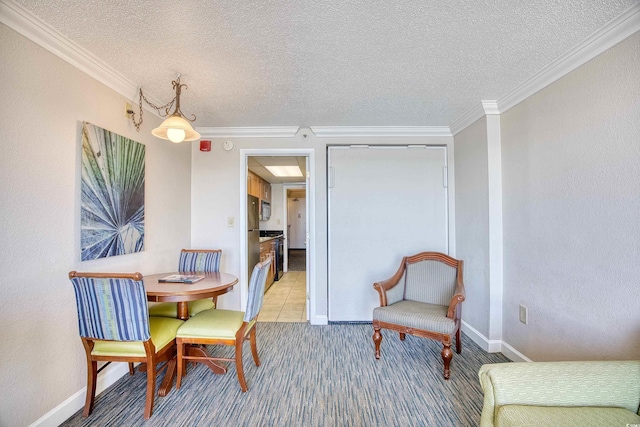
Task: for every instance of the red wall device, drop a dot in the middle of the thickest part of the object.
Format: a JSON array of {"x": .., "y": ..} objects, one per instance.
[{"x": 205, "y": 145}]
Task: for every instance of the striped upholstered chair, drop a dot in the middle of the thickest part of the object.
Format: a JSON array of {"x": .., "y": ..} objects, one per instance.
[
  {"x": 192, "y": 261},
  {"x": 115, "y": 326},
  {"x": 423, "y": 298},
  {"x": 226, "y": 327}
]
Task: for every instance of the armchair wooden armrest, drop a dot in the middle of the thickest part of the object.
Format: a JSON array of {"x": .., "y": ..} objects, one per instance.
[
  {"x": 383, "y": 286},
  {"x": 459, "y": 295}
]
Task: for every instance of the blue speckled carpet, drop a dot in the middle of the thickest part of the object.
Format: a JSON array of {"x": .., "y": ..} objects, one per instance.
[{"x": 313, "y": 376}]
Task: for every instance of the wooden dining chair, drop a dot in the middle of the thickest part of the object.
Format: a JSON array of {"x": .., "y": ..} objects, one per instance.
[
  {"x": 115, "y": 326},
  {"x": 192, "y": 261},
  {"x": 226, "y": 327}
]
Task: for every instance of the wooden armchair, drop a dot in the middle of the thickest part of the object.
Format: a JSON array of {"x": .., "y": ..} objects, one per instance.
[{"x": 423, "y": 298}]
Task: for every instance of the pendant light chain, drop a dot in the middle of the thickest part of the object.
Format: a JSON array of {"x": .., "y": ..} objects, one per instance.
[{"x": 165, "y": 107}]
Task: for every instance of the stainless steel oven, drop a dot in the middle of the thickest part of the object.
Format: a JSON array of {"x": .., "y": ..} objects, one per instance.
[{"x": 279, "y": 261}]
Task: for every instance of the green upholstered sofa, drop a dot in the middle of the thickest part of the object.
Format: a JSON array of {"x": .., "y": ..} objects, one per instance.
[{"x": 540, "y": 394}]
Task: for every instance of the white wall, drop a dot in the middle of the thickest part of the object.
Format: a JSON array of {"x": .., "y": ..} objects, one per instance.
[
  {"x": 296, "y": 222},
  {"x": 472, "y": 222},
  {"x": 44, "y": 103},
  {"x": 571, "y": 174},
  {"x": 216, "y": 195}
]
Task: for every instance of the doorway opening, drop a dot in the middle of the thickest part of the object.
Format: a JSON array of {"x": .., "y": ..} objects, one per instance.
[
  {"x": 290, "y": 297},
  {"x": 296, "y": 230}
]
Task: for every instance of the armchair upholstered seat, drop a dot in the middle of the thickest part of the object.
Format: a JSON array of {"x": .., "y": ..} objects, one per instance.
[
  {"x": 423, "y": 298},
  {"x": 418, "y": 315},
  {"x": 226, "y": 327},
  {"x": 115, "y": 326},
  {"x": 192, "y": 261}
]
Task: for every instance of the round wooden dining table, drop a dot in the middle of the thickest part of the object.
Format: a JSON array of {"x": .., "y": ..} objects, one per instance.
[{"x": 212, "y": 285}]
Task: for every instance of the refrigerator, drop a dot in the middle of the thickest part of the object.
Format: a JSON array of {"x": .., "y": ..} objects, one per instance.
[{"x": 253, "y": 233}]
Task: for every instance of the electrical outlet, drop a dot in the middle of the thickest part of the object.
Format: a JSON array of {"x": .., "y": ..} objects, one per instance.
[
  {"x": 278, "y": 221},
  {"x": 127, "y": 107},
  {"x": 231, "y": 221},
  {"x": 524, "y": 315}
]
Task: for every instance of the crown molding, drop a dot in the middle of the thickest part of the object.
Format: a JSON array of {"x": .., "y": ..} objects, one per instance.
[
  {"x": 380, "y": 131},
  {"x": 485, "y": 108},
  {"x": 615, "y": 31},
  {"x": 30, "y": 26},
  {"x": 468, "y": 119},
  {"x": 490, "y": 107},
  {"x": 612, "y": 33},
  {"x": 248, "y": 132}
]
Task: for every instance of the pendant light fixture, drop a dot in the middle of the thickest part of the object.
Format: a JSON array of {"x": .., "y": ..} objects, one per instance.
[{"x": 176, "y": 127}]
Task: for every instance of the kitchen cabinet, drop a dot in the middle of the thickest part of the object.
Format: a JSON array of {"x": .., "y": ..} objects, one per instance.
[
  {"x": 265, "y": 191},
  {"x": 253, "y": 184},
  {"x": 268, "y": 249},
  {"x": 258, "y": 187}
]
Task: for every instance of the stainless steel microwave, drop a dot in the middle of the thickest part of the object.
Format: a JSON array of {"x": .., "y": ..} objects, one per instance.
[{"x": 265, "y": 211}]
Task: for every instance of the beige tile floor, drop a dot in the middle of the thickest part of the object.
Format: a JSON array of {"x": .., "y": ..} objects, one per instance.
[{"x": 285, "y": 300}]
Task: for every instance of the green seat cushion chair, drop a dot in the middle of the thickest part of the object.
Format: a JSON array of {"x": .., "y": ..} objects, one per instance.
[
  {"x": 163, "y": 331},
  {"x": 555, "y": 416},
  {"x": 170, "y": 309},
  {"x": 213, "y": 324}
]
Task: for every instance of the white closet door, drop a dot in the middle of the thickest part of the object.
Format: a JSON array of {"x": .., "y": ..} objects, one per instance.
[{"x": 384, "y": 203}]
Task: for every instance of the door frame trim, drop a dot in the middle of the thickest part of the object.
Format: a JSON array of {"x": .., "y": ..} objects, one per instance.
[{"x": 313, "y": 317}]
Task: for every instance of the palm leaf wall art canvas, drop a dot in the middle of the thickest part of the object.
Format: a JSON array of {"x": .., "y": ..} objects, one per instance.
[{"x": 112, "y": 199}]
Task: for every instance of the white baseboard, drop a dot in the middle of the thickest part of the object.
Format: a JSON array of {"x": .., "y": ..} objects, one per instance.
[
  {"x": 493, "y": 346},
  {"x": 513, "y": 354},
  {"x": 66, "y": 409},
  {"x": 319, "y": 320},
  {"x": 490, "y": 346}
]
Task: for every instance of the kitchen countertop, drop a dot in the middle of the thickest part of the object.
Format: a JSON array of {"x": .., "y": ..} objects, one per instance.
[{"x": 266, "y": 239}]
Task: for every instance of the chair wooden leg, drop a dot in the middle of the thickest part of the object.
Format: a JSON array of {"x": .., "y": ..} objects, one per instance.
[
  {"x": 239, "y": 367},
  {"x": 402, "y": 336},
  {"x": 447, "y": 355},
  {"x": 377, "y": 339},
  {"x": 151, "y": 388},
  {"x": 458, "y": 342},
  {"x": 92, "y": 375},
  {"x": 254, "y": 346},
  {"x": 181, "y": 364},
  {"x": 131, "y": 369}
]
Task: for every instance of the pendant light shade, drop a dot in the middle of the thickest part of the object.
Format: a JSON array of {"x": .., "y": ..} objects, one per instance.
[{"x": 176, "y": 129}]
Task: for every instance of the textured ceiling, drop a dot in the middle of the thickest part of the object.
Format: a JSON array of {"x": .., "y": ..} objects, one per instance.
[{"x": 328, "y": 63}]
